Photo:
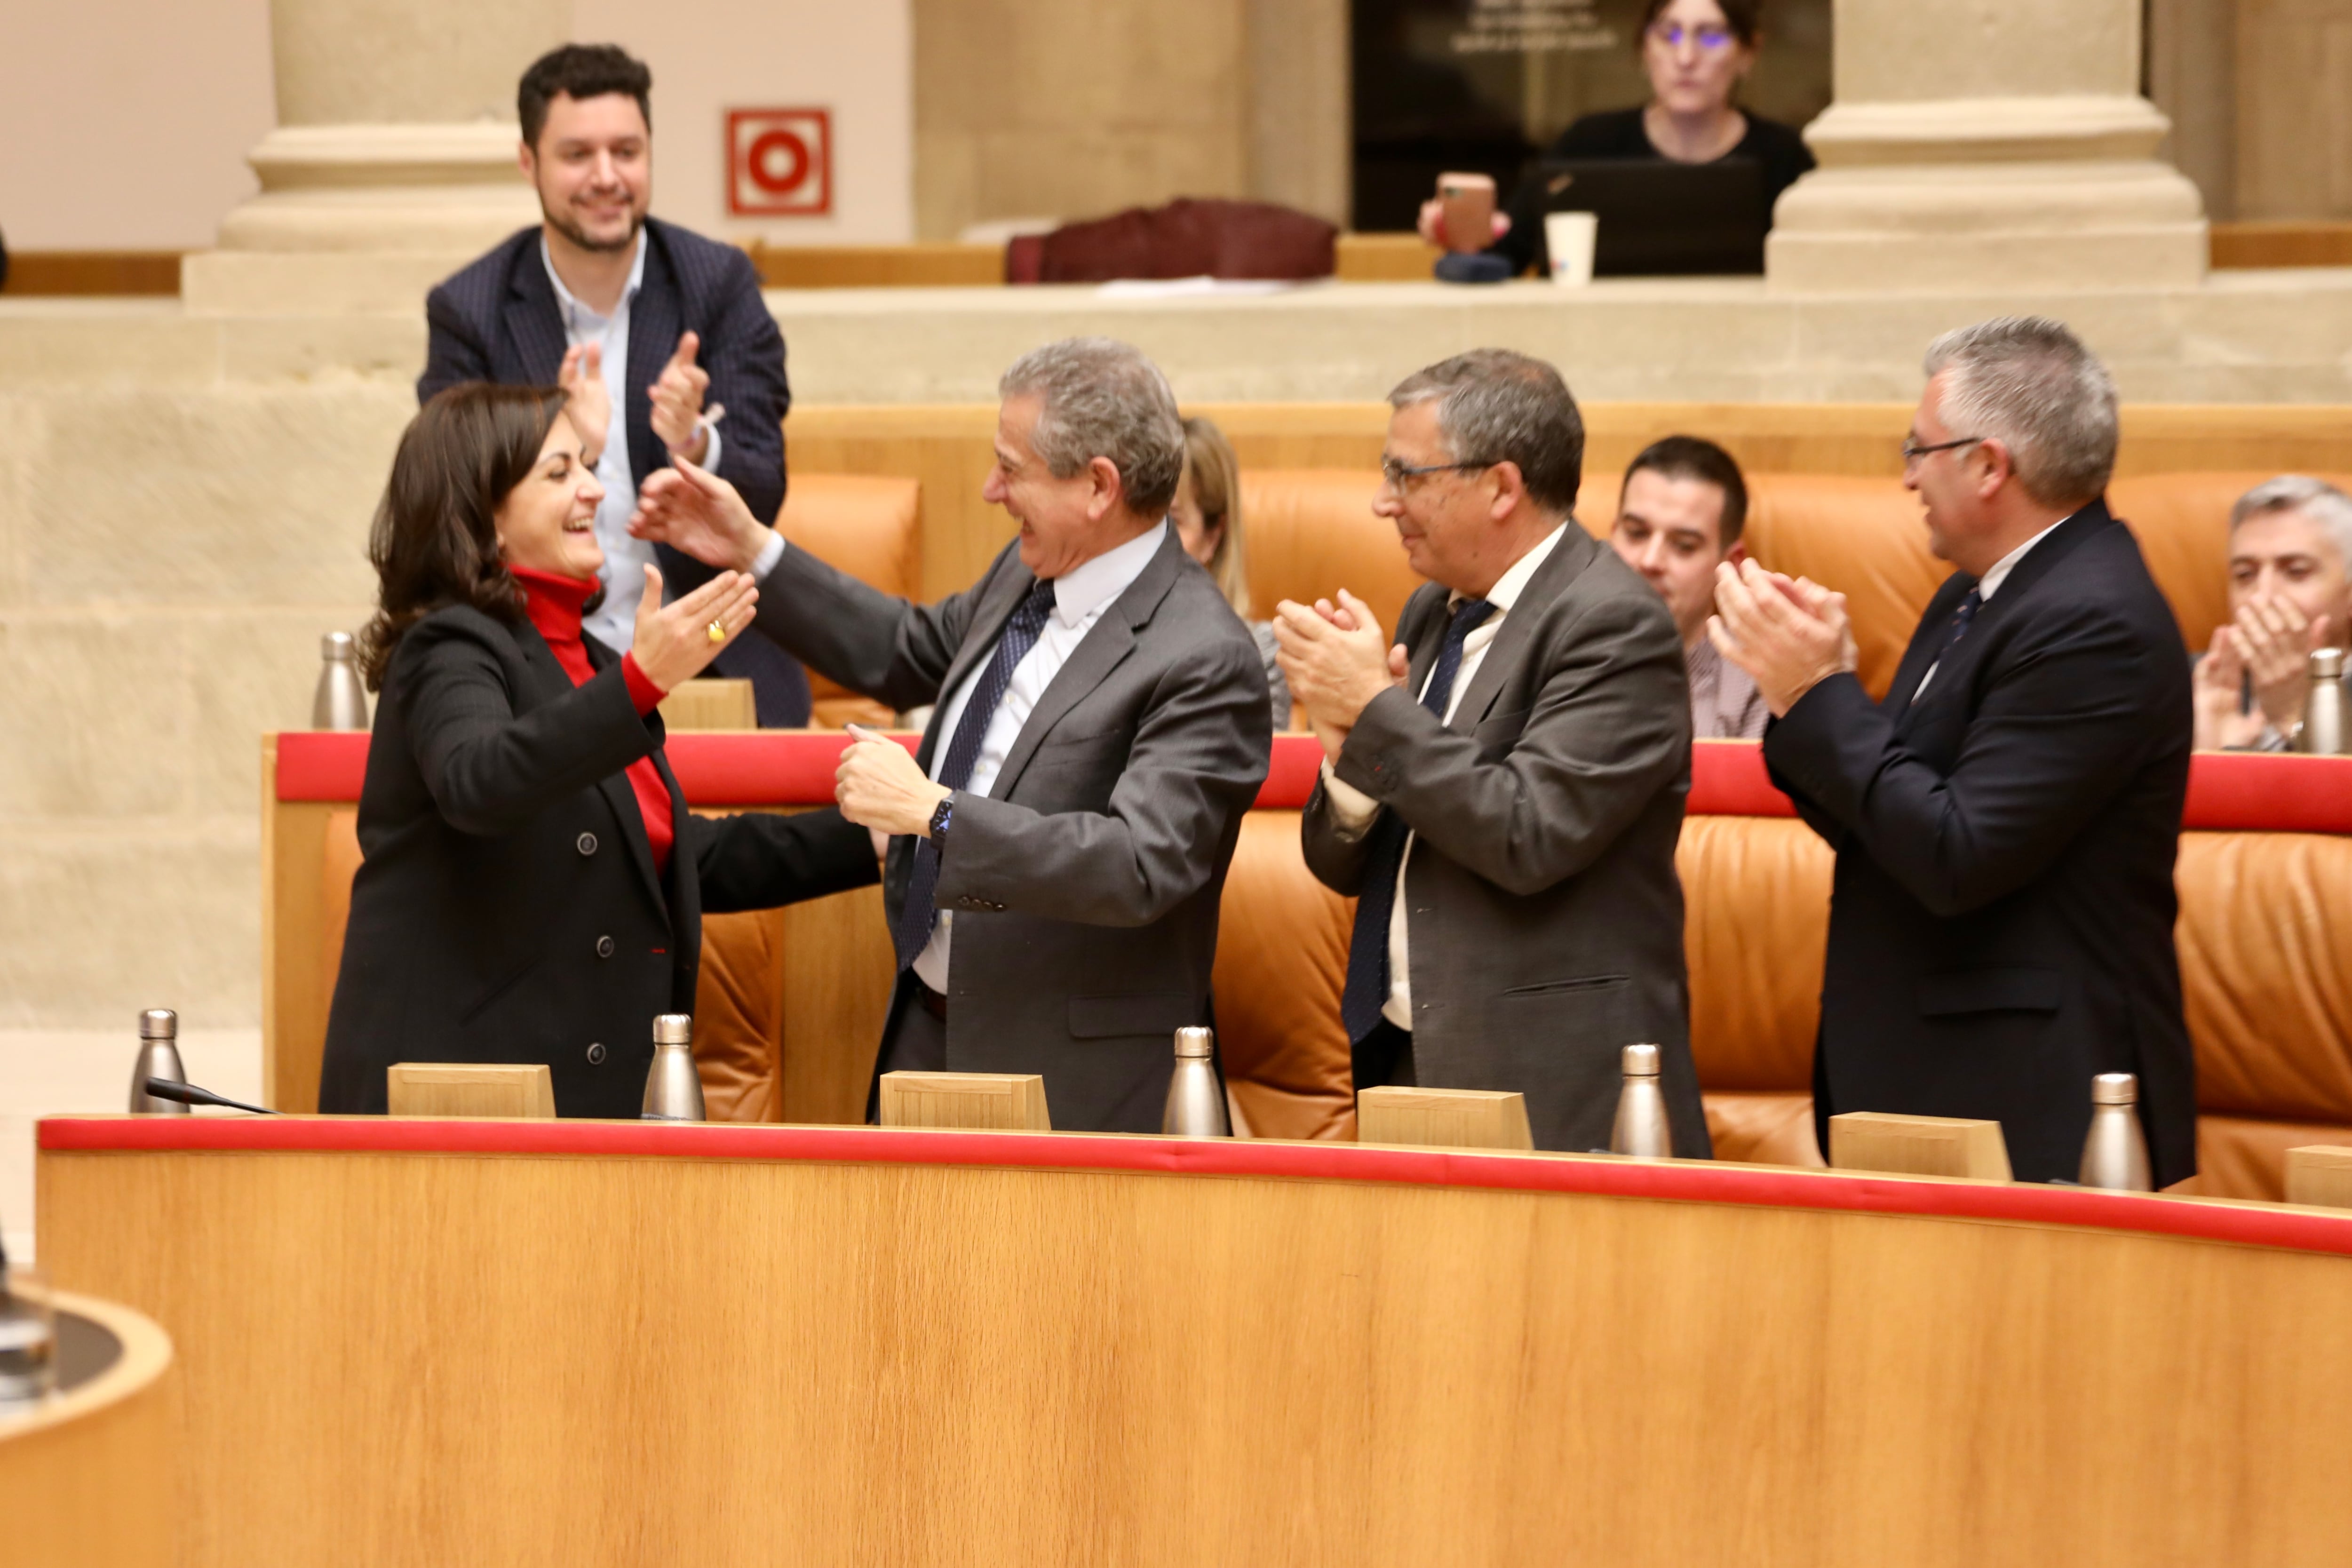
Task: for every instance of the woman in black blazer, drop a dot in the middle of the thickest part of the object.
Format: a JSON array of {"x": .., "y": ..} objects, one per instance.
[{"x": 533, "y": 883}]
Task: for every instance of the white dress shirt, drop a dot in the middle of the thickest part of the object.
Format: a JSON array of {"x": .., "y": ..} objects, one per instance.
[
  {"x": 1081, "y": 596},
  {"x": 1352, "y": 810},
  {"x": 626, "y": 559},
  {"x": 1988, "y": 585}
]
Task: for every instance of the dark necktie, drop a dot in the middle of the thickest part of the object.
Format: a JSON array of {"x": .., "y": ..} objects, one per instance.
[
  {"x": 912, "y": 930},
  {"x": 1952, "y": 635},
  {"x": 1367, "y": 947}
]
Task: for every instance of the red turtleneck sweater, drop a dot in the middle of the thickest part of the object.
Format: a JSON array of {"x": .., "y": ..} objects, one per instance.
[{"x": 554, "y": 604}]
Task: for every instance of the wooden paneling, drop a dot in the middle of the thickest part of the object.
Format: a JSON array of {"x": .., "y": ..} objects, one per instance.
[
  {"x": 2282, "y": 244},
  {"x": 82, "y": 272},
  {"x": 298, "y": 942},
  {"x": 454, "y": 1358},
  {"x": 942, "y": 265},
  {"x": 1918, "y": 1146},
  {"x": 92, "y": 1479}
]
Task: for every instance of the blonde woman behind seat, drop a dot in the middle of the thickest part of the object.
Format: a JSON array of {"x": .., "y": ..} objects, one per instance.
[{"x": 1207, "y": 512}]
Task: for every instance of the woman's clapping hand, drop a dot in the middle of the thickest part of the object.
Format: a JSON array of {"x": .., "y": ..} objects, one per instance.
[{"x": 676, "y": 642}]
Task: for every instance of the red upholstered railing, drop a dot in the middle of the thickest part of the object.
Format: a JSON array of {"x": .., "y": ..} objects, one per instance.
[
  {"x": 1691, "y": 1181},
  {"x": 794, "y": 767}
]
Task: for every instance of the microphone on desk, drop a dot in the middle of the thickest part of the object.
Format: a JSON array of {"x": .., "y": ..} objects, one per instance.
[{"x": 189, "y": 1094}]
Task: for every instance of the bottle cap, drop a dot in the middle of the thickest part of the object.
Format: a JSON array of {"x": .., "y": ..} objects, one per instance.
[
  {"x": 1640, "y": 1061},
  {"x": 673, "y": 1030},
  {"x": 159, "y": 1023},
  {"x": 2114, "y": 1089},
  {"x": 336, "y": 644},
  {"x": 2328, "y": 663},
  {"x": 1196, "y": 1042}
]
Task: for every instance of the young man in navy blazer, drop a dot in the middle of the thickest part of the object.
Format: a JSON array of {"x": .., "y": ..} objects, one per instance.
[
  {"x": 666, "y": 327},
  {"x": 2006, "y": 820}
]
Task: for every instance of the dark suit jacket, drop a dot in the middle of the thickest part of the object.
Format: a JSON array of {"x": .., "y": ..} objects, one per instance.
[
  {"x": 1545, "y": 917},
  {"x": 2002, "y": 924},
  {"x": 498, "y": 321},
  {"x": 508, "y": 910},
  {"x": 1085, "y": 886}
]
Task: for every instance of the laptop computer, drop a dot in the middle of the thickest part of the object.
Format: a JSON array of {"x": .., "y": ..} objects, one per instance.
[{"x": 1662, "y": 219}]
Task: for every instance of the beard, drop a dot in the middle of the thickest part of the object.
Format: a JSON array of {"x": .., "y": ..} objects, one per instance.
[{"x": 565, "y": 224}]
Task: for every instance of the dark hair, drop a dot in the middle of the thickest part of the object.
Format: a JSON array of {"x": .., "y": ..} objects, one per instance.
[
  {"x": 436, "y": 541},
  {"x": 1742, "y": 17},
  {"x": 1494, "y": 406},
  {"x": 1695, "y": 457},
  {"x": 581, "y": 70}
]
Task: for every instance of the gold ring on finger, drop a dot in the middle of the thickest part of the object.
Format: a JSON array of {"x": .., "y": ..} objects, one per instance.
[{"x": 718, "y": 631}]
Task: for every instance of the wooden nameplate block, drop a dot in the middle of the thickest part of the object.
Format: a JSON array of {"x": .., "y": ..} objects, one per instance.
[
  {"x": 1918, "y": 1146},
  {"x": 469, "y": 1089},
  {"x": 2320, "y": 1175},
  {"x": 1448, "y": 1118},
  {"x": 975, "y": 1101}
]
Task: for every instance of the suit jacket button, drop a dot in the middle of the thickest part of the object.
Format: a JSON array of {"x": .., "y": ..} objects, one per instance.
[
  {"x": 603, "y": 947},
  {"x": 587, "y": 844},
  {"x": 596, "y": 1054}
]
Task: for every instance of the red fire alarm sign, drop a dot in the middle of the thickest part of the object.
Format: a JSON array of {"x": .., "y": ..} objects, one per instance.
[{"x": 780, "y": 162}]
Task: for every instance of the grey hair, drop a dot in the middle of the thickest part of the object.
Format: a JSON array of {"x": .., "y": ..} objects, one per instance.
[
  {"x": 2327, "y": 506},
  {"x": 1104, "y": 399},
  {"x": 2030, "y": 383},
  {"x": 1497, "y": 406}
]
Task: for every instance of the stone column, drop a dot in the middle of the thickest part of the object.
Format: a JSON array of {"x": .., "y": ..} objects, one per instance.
[
  {"x": 394, "y": 159},
  {"x": 2002, "y": 144}
]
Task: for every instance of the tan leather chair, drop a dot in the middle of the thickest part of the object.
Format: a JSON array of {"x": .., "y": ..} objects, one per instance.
[
  {"x": 872, "y": 529},
  {"x": 1282, "y": 958}
]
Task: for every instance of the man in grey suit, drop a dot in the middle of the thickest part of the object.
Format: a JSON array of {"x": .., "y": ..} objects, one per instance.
[
  {"x": 1059, "y": 843},
  {"x": 1503, "y": 790}
]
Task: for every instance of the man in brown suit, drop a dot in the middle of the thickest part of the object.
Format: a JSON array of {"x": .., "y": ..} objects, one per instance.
[{"x": 1503, "y": 789}]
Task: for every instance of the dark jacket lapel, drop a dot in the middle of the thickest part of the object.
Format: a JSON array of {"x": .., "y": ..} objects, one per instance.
[
  {"x": 1567, "y": 561},
  {"x": 615, "y": 786},
  {"x": 1004, "y": 595},
  {"x": 532, "y": 319},
  {"x": 1958, "y": 665},
  {"x": 1111, "y": 639},
  {"x": 657, "y": 316}
]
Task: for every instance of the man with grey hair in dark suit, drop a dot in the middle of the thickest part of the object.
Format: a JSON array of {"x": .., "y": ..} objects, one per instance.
[
  {"x": 1058, "y": 845},
  {"x": 1503, "y": 789}
]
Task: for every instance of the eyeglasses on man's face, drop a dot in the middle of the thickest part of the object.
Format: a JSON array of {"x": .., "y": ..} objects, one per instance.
[
  {"x": 1398, "y": 477},
  {"x": 1707, "y": 36},
  {"x": 1913, "y": 451}
]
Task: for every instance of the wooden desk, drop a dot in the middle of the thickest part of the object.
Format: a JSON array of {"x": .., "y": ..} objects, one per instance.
[
  {"x": 91, "y": 1478},
  {"x": 564, "y": 1343}
]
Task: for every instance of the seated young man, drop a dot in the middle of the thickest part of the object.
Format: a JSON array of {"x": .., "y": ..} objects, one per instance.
[
  {"x": 2290, "y": 591},
  {"x": 1679, "y": 515}
]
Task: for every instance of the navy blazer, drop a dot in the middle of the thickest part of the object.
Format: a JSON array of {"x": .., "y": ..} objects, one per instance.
[
  {"x": 2000, "y": 927},
  {"x": 498, "y": 321},
  {"x": 509, "y": 909}
]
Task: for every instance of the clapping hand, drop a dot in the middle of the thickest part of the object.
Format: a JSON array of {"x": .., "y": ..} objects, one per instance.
[
  {"x": 692, "y": 509},
  {"x": 1335, "y": 659},
  {"x": 1789, "y": 635},
  {"x": 2218, "y": 690},
  {"x": 586, "y": 400},
  {"x": 674, "y": 643},
  {"x": 677, "y": 416}
]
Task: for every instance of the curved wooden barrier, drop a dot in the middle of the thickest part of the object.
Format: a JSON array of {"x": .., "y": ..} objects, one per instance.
[
  {"x": 559, "y": 1342},
  {"x": 90, "y": 1479}
]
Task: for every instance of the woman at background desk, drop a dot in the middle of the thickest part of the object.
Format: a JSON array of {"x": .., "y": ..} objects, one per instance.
[
  {"x": 533, "y": 883},
  {"x": 1696, "y": 52}
]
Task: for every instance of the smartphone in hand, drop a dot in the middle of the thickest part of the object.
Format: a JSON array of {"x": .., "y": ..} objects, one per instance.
[{"x": 1469, "y": 205}]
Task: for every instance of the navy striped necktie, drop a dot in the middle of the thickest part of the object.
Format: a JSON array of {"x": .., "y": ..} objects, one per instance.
[
  {"x": 1368, "y": 946},
  {"x": 912, "y": 930}
]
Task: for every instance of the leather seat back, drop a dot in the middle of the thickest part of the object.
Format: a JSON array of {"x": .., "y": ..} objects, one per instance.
[{"x": 872, "y": 529}]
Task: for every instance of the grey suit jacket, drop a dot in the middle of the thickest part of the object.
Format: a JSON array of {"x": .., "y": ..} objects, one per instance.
[
  {"x": 1085, "y": 884},
  {"x": 1545, "y": 917}
]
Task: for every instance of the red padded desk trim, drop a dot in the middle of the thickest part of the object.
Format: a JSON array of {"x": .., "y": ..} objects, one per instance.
[
  {"x": 794, "y": 767},
  {"x": 1692, "y": 1180}
]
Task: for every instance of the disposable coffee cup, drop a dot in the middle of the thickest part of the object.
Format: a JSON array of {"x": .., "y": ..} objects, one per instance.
[{"x": 1569, "y": 237}]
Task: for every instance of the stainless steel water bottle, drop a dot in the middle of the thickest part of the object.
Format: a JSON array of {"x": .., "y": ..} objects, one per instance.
[
  {"x": 2322, "y": 732},
  {"x": 673, "y": 1088},
  {"x": 341, "y": 700},
  {"x": 2116, "y": 1155},
  {"x": 1196, "y": 1101},
  {"x": 159, "y": 1057},
  {"x": 1641, "y": 1127}
]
